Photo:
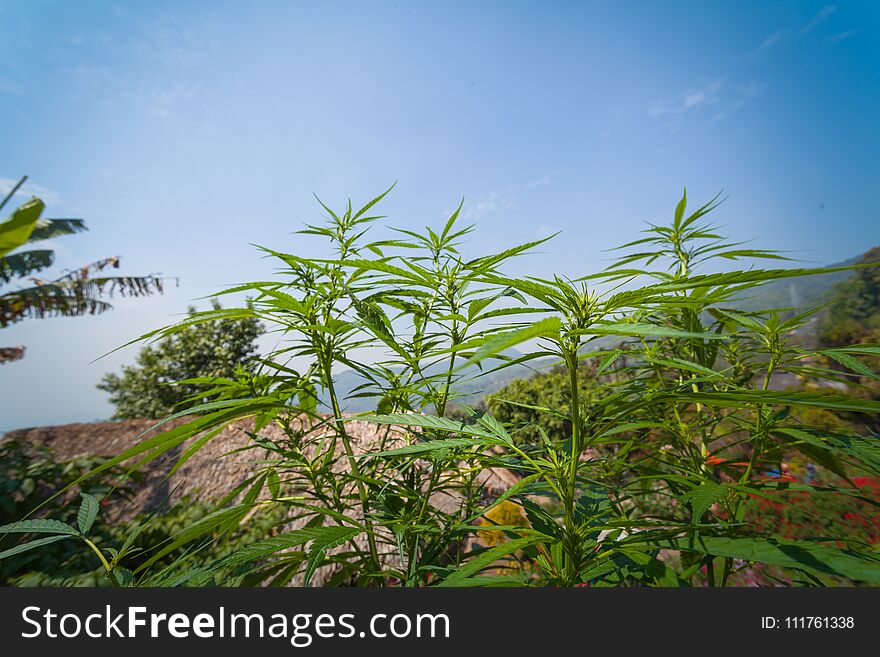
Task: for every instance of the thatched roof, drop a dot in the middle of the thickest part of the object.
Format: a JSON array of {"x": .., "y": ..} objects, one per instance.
[{"x": 211, "y": 473}]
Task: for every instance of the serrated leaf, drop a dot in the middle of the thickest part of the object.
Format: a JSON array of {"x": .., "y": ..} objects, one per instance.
[
  {"x": 811, "y": 399},
  {"x": 429, "y": 446},
  {"x": 88, "y": 511},
  {"x": 160, "y": 444},
  {"x": 273, "y": 481},
  {"x": 464, "y": 576},
  {"x": 743, "y": 320},
  {"x": 24, "y": 547},
  {"x": 220, "y": 520},
  {"x": 494, "y": 427},
  {"x": 679, "y": 364},
  {"x": 608, "y": 360},
  {"x": 704, "y": 496},
  {"x": 41, "y": 526},
  {"x": 434, "y": 422},
  {"x": 646, "y": 331},
  {"x": 265, "y": 549},
  {"x": 679, "y": 209},
  {"x": 124, "y": 576},
  {"x": 813, "y": 447},
  {"x": 851, "y": 363},
  {"x": 802, "y": 555},
  {"x": 548, "y": 327},
  {"x": 865, "y": 449},
  {"x": 326, "y": 541},
  {"x": 540, "y": 520}
]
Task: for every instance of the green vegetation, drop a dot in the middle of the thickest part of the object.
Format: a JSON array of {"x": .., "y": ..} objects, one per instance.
[
  {"x": 169, "y": 375},
  {"x": 853, "y": 317},
  {"x": 518, "y": 404},
  {"x": 77, "y": 292},
  {"x": 31, "y": 473},
  {"x": 854, "y": 313},
  {"x": 666, "y": 434}
]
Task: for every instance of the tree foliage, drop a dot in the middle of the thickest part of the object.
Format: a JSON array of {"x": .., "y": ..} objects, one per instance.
[
  {"x": 854, "y": 313},
  {"x": 853, "y": 317},
  {"x": 202, "y": 353},
  {"x": 78, "y": 292}
]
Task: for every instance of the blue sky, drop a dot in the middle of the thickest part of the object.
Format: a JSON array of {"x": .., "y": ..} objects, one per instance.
[{"x": 185, "y": 131}]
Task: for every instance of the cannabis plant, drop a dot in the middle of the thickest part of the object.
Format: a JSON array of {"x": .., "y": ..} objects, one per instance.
[{"x": 648, "y": 484}]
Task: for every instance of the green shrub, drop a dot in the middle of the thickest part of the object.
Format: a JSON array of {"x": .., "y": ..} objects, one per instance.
[
  {"x": 30, "y": 473},
  {"x": 169, "y": 376}
]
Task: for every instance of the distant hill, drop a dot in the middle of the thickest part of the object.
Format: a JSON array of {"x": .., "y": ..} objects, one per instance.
[{"x": 802, "y": 292}]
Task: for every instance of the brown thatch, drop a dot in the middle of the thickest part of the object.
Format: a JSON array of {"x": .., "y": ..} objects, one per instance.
[{"x": 211, "y": 473}]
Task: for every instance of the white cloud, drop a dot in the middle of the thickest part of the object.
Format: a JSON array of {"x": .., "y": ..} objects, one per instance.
[
  {"x": 723, "y": 98},
  {"x": 780, "y": 35},
  {"x": 689, "y": 101},
  {"x": 546, "y": 179},
  {"x": 506, "y": 199},
  {"x": 75, "y": 40},
  {"x": 543, "y": 181},
  {"x": 162, "y": 99},
  {"x": 705, "y": 96},
  {"x": 170, "y": 60},
  {"x": 842, "y": 36},
  {"x": 773, "y": 39},
  {"x": 545, "y": 230},
  {"x": 823, "y": 15},
  {"x": 489, "y": 204}
]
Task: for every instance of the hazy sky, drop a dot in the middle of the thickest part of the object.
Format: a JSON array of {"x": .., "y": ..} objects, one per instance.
[{"x": 183, "y": 132}]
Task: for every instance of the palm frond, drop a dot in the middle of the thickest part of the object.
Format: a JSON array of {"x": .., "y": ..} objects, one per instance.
[
  {"x": 23, "y": 263},
  {"x": 48, "y": 228},
  {"x": 72, "y": 296},
  {"x": 9, "y": 354}
]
